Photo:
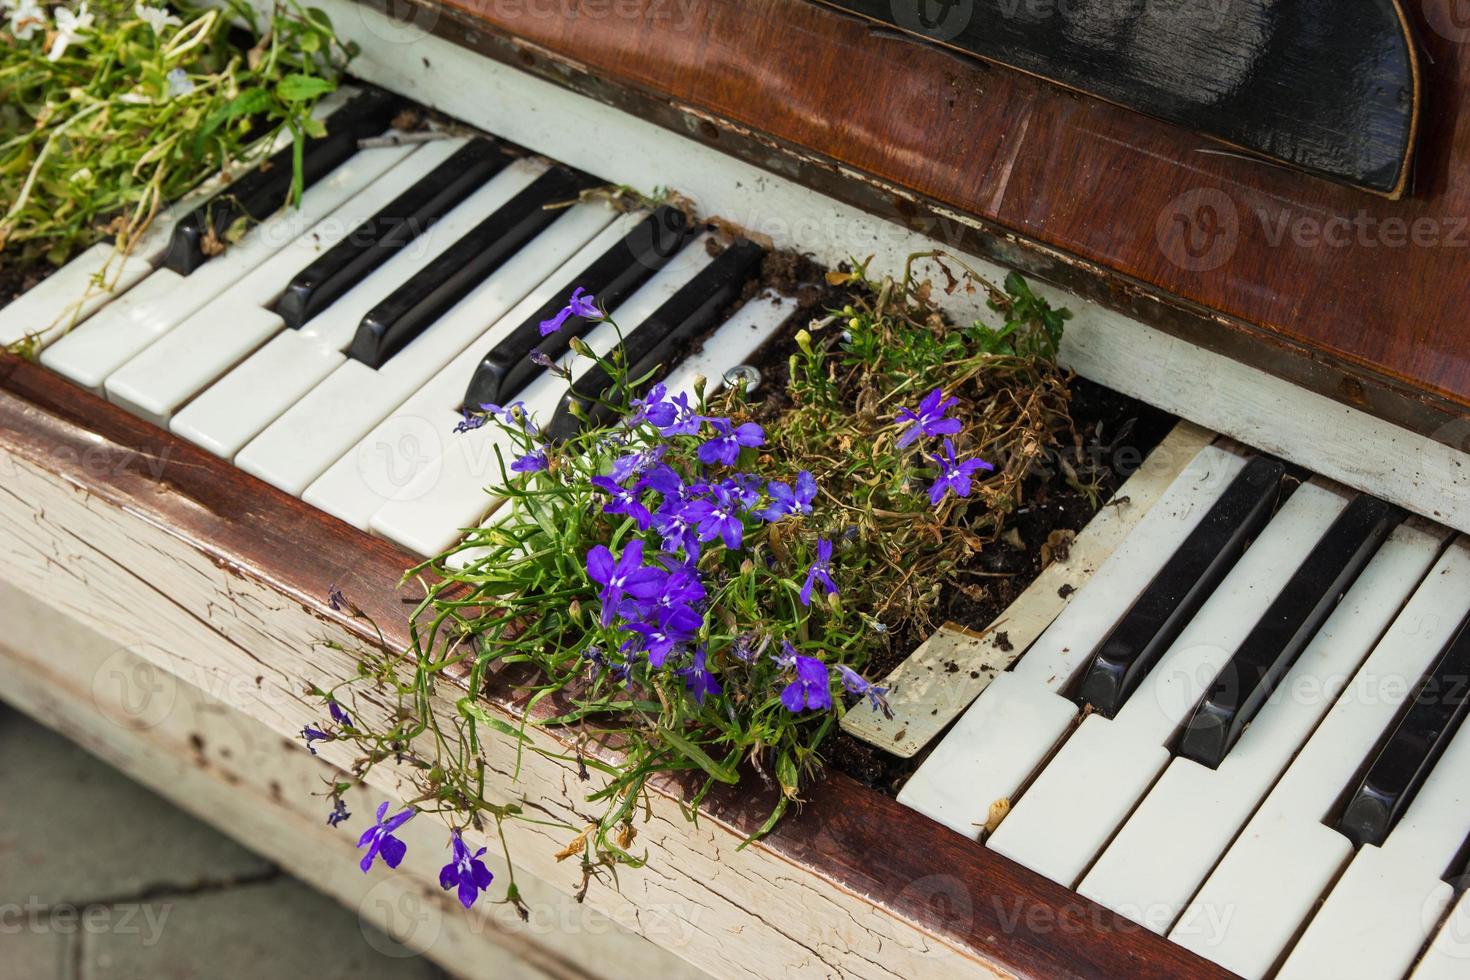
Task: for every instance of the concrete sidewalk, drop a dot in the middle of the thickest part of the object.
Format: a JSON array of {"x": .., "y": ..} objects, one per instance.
[{"x": 102, "y": 879}]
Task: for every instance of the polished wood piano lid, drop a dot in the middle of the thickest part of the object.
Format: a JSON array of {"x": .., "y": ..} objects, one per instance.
[{"x": 1343, "y": 291}]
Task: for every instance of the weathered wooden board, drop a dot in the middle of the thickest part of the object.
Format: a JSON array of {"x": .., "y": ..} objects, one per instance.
[
  {"x": 219, "y": 579},
  {"x": 1328, "y": 86}
]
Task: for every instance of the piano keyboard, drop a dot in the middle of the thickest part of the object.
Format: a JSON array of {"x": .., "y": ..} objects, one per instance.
[
  {"x": 1253, "y": 774},
  {"x": 331, "y": 349},
  {"x": 1243, "y": 732}
]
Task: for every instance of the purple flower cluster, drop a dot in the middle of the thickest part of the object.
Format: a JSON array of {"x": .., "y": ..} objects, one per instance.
[{"x": 928, "y": 421}]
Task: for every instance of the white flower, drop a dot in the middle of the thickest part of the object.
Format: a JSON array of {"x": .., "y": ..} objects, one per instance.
[
  {"x": 179, "y": 83},
  {"x": 26, "y": 19},
  {"x": 156, "y": 17},
  {"x": 68, "y": 27}
]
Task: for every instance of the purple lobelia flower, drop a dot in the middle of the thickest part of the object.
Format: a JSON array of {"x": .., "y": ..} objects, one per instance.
[
  {"x": 785, "y": 500},
  {"x": 339, "y": 714},
  {"x": 465, "y": 871},
  {"x": 686, "y": 421},
  {"x": 624, "y": 501},
  {"x": 954, "y": 475},
  {"x": 339, "y": 813},
  {"x": 699, "y": 681},
  {"x": 724, "y": 446},
  {"x": 578, "y": 304},
  {"x": 653, "y": 409},
  {"x": 786, "y": 659},
  {"x": 821, "y": 571},
  {"x": 626, "y": 467},
  {"x": 335, "y": 598},
  {"x": 857, "y": 684},
  {"x": 682, "y": 587},
  {"x": 929, "y": 420},
  {"x": 310, "y": 735},
  {"x": 532, "y": 462},
  {"x": 622, "y": 579},
  {"x": 379, "y": 839},
  {"x": 812, "y": 689},
  {"x": 469, "y": 422},
  {"x": 669, "y": 629},
  {"x": 675, "y": 526},
  {"x": 717, "y": 516}
]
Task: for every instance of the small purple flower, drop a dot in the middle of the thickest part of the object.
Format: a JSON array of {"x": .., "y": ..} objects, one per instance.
[
  {"x": 379, "y": 839},
  {"x": 465, "y": 870},
  {"x": 578, "y": 304},
  {"x": 540, "y": 359},
  {"x": 652, "y": 409},
  {"x": 786, "y": 659},
  {"x": 675, "y": 526},
  {"x": 663, "y": 478},
  {"x": 929, "y": 420},
  {"x": 812, "y": 689},
  {"x": 717, "y": 518},
  {"x": 469, "y": 422},
  {"x": 310, "y": 735},
  {"x": 626, "y": 467},
  {"x": 624, "y": 501},
  {"x": 685, "y": 422},
  {"x": 724, "y": 447},
  {"x": 682, "y": 588},
  {"x": 622, "y": 578},
  {"x": 953, "y": 474},
  {"x": 339, "y": 714},
  {"x": 821, "y": 571},
  {"x": 335, "y": 598},
  {"x": 859, "y": 685},
  {"x": 532, "y": 462},
  {"x": 786, "y": 501},
  {"x": 670, "y": 628},
  {"x": 339, "y": 813},
  {"x": 743, "y": 648},
  {"x": 699, "y": 681}
]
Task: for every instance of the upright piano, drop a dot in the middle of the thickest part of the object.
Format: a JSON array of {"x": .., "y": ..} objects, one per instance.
[{"x": 1280, "y": 260}]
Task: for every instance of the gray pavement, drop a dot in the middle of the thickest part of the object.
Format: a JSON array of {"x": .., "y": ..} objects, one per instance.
[{"x": 100, "y": 879}]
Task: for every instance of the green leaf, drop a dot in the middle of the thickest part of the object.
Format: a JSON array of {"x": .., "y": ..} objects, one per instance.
[
  {"x": 300, "y": 88},
  {"x": 722, "y": 771},
  {"x": 478, "y": 713}
]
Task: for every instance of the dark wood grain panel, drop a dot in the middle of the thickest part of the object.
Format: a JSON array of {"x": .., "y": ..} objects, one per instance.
[
  {"x": 1358, "y": 297},
  {"x": 859, "y": 840},
  {"x": 1329, "y": 86}
]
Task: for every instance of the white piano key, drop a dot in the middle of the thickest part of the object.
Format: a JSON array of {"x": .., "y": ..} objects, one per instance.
[
  {"x": 329, "y": 419},
  {"x": 201, "y": 344},
  {"x": 449, "y": 495},
  {"x": 1447, "y": 957},
  {"x": 731, "y": 344},
  {"x": 237, "y": 407},
  {"x": 71, "y": 294},
  {"x": 1384, "y": 908},
  {"x": 1111, "y": 762},
  {"x": 371, "y": 474},
  {"x": 1012, "y": 726},
  {"x": 103, "y": 343},
  {"x": 1191, "y": 815},
  {"x": 1269, "y": 881}
]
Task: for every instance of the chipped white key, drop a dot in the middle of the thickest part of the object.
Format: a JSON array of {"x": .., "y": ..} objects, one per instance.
[
  {"x": 1285, "y": 858},
  {"x": 1001, "y": 739},
  {"x": 1191, "y": 815}
]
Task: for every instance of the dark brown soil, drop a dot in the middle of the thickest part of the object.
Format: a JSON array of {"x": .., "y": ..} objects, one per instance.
[{"x": 16, "y": 278}]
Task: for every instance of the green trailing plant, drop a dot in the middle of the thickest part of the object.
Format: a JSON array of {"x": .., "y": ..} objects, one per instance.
[
  {"x": 111, "y": 108},
  {"x": 700, "y": 580}
]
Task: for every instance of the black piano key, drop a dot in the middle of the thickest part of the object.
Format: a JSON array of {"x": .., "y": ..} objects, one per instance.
[
  {"x": 1417, "y": 741},
  {"x": 1291, "y": 622},
  {"x": 267, "y": 188},
  {"x": 413, "y": 307},
  {"x": 1177, "y": 591},
  {"x": 656, "y": 341},
  {"x": 611, "y": 278},
  {"x": 378, "y": 239}
]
